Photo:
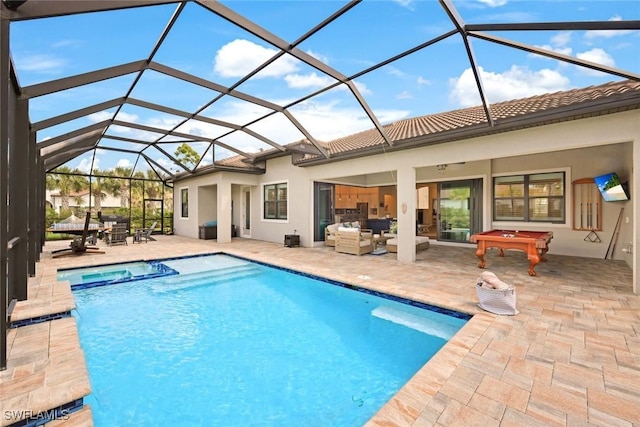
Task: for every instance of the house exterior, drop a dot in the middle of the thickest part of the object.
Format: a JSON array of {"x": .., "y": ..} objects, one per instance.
[{"x": 573, "y": 136}]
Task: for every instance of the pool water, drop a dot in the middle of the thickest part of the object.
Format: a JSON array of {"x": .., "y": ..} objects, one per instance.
[{"x": 238, "y": 343}]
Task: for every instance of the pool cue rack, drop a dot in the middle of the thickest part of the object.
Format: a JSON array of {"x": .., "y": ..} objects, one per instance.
[{"x": 587, "y": 208}]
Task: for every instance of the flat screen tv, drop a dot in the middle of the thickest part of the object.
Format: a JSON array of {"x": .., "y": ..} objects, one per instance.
[{"x": 611, "y": 188}]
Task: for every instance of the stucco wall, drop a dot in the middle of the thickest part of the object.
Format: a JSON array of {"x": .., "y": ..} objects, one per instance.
[{"x": 583, "y": 148}]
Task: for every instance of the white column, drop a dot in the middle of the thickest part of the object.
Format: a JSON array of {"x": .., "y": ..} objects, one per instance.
[
  {"x": 635, "y": 260},
  {"x": 406, "y": 191},
  {"x": 224, "y": 212}
]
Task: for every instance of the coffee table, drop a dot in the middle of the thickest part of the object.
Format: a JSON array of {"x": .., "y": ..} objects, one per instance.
[{"x": 380, "y": 240}]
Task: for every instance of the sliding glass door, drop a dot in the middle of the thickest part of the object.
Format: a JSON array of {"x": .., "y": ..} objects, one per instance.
[
  {"x": 323, "y": 211},
  {"x": 459, "y": 209}
]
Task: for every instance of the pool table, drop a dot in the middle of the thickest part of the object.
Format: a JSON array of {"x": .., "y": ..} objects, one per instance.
[{"x": 534, "y": 243}]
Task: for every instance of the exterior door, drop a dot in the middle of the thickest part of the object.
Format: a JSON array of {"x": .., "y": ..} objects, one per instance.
[
  {"x": 323, "y": 209},
  {"x": 459, "y": 209}
]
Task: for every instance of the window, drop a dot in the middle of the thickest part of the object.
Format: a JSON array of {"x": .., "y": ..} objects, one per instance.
[
  {"x": 275, "y": 201},
  {"x": 184, "y": 200},
  {"x": 531, "y": 198}
]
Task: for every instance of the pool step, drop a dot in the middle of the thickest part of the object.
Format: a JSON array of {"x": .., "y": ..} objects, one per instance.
[{"x": 204, "y": 278}]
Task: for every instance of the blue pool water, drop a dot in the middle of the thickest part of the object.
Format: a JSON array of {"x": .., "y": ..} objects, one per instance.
[{"x": 229, "y": 342}]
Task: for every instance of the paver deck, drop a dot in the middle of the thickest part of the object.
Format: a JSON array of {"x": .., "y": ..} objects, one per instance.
[{"x": 571, "y": 357}]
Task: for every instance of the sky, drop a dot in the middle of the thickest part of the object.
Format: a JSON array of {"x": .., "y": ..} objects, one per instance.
[{"x": 434, "y": 79}]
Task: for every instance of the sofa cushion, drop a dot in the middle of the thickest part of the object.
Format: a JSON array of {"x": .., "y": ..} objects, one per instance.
[
  {"x": 211, "y": 223},
  {"x": 332, "y": 228},
  {"x": 348, "y": 229}
]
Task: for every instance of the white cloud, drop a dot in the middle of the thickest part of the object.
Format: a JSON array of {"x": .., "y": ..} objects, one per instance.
[
  {"x": 362, "y": 88},
  {"x": 239, "y": 57},
  {"x": 405, "y": 3},
  {"x": 124, "y": 163},
  {"x": 404, "y": 95},
  {"x": 607, "y": 34},
  {"x": 66, "y": 43},
  {"x": 517, "y": 82},
  {"x": 422, "y": 81},
  {"x": 319, "y": 56},
  {"x": 40, "y": 63},
  {"x": 395, "y": 71},
  {"x": 100, "y": 116},
  {"x": 561, "y": 39},
  {"x": 558, "y": 45},
  {"x": 598, "y": 56},
  {"x": 85, "y": 164},
  {"x": 494, "y": 3},
  {"x": 313, "y": 80},
  {"x": 561, "y": 50}
]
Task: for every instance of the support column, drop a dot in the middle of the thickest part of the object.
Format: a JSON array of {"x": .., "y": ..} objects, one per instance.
[
  {"x": 18, "y": 200},
  {"x": 635, "y": 258},
  {"x": 406, "y": 191},
  {"x": 35, "y": 208},
  {"x": 4, "y": 178},
  {"x": 224, "y": 212}
]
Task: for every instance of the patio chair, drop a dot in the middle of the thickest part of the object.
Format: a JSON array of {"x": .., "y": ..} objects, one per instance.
[
  {"x": 118, "y": 235},
  {"x": 78, "y": 245},
  {"x": 144, "y": 234},
  {"x": 354, "y": 241}
]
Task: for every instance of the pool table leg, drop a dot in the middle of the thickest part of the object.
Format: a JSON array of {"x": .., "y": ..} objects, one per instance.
[
  {"x": 480, "y": 254},
  {"x": 543, "y": 253},
  {"x": 534, "y": 259}
]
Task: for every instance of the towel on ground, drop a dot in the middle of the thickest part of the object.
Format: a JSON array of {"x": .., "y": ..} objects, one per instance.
[{"x": 491, "y": 281}]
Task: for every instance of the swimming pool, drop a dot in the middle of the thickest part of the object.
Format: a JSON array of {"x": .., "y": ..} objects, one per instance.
[{"x": 232, "y": 342}]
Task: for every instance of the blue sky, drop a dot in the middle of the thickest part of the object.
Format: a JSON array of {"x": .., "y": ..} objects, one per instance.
[{"x": 435, "y": 79}]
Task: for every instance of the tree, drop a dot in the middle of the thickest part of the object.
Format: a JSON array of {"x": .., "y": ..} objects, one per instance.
[
  {"x": 100, "y": 186},
  {"x": 187, "y": 155},
  {"x": 120, "y": 185},
  {"x": 66, "y": 183}
]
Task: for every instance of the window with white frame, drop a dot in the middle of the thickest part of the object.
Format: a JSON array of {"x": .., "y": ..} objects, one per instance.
[
  {"x": 184, "y": 201},
  {"x": 275, "y": 201},
  {"x": 538, "y": 197}
]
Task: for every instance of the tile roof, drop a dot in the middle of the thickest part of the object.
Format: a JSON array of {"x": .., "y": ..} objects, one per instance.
[{"x": 467, "y": 122}]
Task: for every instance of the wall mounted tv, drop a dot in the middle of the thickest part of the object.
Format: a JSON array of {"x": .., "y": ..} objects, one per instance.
[{"x": 611, "y": 188}]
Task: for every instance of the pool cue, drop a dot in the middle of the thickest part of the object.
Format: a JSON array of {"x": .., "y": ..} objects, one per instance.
[
  {"x": 614, "y": 235},
  {"x": 581, "y": 208},
  {"x": 597, "y": 197},
  {"x": 588, "y": 208}
]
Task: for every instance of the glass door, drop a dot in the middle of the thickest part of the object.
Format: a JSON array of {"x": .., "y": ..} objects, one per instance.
[
  {"x": 459, "y": 209},
  {"x": 323, "y": 210},
  {"x": 245, "y": 230}
]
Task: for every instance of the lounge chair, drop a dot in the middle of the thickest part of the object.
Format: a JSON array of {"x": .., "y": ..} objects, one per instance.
[
  {"x": 144, "y": 233},
  {"x": 78, "y": 245},
  {"x": 118, "y": 234}
]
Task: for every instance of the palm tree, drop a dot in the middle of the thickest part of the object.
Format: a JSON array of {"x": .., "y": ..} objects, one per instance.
[
  {"x": 64, "y": 180},
  {"x": 97, "y": 192},
  {"x": 121, "y": 185}
]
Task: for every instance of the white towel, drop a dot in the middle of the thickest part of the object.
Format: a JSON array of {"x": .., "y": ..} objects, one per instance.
[{"x": 490, "y": 280}]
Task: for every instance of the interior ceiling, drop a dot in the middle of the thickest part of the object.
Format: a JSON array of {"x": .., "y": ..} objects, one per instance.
[{"x": 196, "y": 104}]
